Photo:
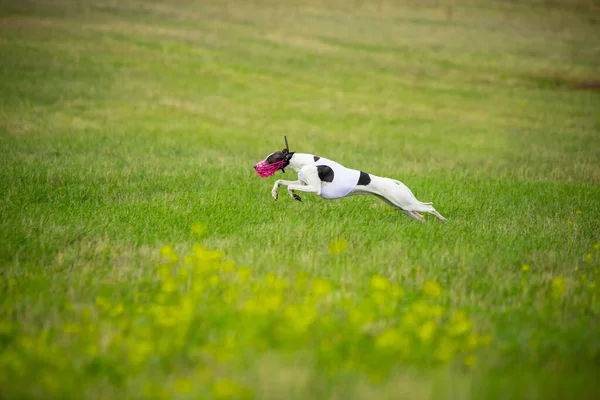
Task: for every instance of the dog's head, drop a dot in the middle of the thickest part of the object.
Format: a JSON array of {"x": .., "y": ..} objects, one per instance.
[{"x": 274, "y": 162}]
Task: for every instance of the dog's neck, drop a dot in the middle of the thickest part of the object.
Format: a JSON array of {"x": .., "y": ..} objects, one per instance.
[{"x": 300, "y": 160}]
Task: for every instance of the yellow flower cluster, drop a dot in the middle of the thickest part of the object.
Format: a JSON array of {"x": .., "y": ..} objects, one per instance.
[
  {"x": 587, "y": 283},
  {"x": 206, "y": 313},
  {"x": 338, "y": 246},
  {"x": 579, "y": 289}
]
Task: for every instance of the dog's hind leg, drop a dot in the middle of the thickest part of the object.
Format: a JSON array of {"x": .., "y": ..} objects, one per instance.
[
  {"x": 437, "y": 214},
  {"x": 428, "y": 209},
  {"x": 399, "y": 196},
  {"x": 412, "y": 214},
  {"x": 417, "y": 215}
]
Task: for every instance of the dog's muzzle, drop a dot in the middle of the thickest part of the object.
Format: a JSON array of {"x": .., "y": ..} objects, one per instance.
[{"x": 264, "y": 169}]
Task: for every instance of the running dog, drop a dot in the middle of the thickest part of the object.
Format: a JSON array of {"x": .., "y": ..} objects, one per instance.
[{"x": 331, "y": 180}]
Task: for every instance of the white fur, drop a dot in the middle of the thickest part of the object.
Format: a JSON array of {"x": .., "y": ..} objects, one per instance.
[{"x": 393, "y": 192}]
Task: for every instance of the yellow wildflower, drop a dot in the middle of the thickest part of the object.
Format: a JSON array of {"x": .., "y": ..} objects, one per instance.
[
  {"x": 164, "y": 271},
  {"x": 379, "y": 282},
  {"x": 252, "y": 306},
  {"x": 167, "y": 252},
  {"x": 244, "y": 274},
  {"x": 473, "y": 341},
  {"x": 392, "y": 339},
  {"x": 558, "y": 287},
  {"x": 227, "y": 267},
  {"x": 103, "y": 303},
  {"x": 396, "y": 292},
  {"x": 410, "y": 319},
  {"x": 445, "y": 350},
  {"x": 204, "y": 254},
  {"x": 436, "y": 311},
  {"x": 300, "y": 317},
  {"x": 168, "y": 285},
  {"x": 214, "y": 280},
  {"x": 432, "y": 288},
  {"x": 355, "y": 316},
  {"x": 379, "y": 298},
  {"x": 275, "y": 282},
  {"x": 321, "y": 287},
  {"x": 272, "y": 302},
  {"x": 198, "y": 229},
  {"x": 140, "y": 351},
  {"x": 426, "y": 331},
  {"x": 524, "y": 267},
  {"x": 459, "y": 324},
  {"x": 422, "y": 309},
  {"x": 183, "y": 272},
  {"x": 198, "y": 286},
  {"x": 338, "y": 246}
]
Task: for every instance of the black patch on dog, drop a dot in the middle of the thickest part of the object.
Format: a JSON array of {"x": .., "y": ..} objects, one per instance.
[
  {"x": 325, "y": 173},
  {"x": 364, "y": 179},
  {"x": 317, "y": 158}
]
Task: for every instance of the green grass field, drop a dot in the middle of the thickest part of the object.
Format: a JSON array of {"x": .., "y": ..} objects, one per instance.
[{"x": 127, "y": 127}]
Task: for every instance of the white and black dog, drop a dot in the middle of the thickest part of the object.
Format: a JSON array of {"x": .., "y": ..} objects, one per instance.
[{"x": 331, "y": 180}]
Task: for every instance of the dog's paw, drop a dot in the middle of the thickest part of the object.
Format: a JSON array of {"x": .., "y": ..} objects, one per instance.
[
  {"x": 296, "y": 197},
  {"x": 274, "y": 194}
]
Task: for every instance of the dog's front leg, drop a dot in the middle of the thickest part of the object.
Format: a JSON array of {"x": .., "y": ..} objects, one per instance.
[
  {"x": 311, "y": 183},
  {"x": 302, "y": 188},
  {"x": 284, "y": 183}
]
